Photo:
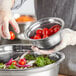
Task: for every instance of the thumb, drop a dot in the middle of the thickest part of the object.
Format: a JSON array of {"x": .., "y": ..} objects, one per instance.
[
  {"x": 5, "y": 29},
  {"x": 42, "y": 51}
]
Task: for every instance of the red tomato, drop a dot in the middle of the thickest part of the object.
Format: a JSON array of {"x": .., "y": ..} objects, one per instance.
[
  {"x": 12, "y": 35},
  {"x": 14, "y": 62},
  {"x": 46, "y": 31},
  {"x": 39, "y": 31},
  {"x": 32, "y": 37},
  {"x": 56, "y": 28},
  {"x": 51, "y": 31},
  {"x": 45, "y": 36},
  {"x": 22, "y": 61},
  {"x": 37, "y": 37}
]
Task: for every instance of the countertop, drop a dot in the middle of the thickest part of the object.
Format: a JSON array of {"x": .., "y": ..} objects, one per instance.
[{"x": 62, "y": 75}]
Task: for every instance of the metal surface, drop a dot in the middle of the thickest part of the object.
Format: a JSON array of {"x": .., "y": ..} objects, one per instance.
[
  {"x": 23, "y": 27},
  {"x": 5, "y": 54},
  {"x": 49, "y": 42},
  {"x": 8, "y": 51},
  {"x": 49, "y": 70}
]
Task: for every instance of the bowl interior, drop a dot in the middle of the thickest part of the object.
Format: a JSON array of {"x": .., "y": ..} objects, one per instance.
[
  {"x": 43, "y": 23},
  {"x": 19, "y": 48}
]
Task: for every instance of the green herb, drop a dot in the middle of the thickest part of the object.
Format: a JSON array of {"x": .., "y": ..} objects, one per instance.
[
  {"x": 29, "y": 57},
  {"x": 2, "y": 65},
  {"x": 42, "y": 61},
  {"x": 48, "y": 61},
  {"x": 12, "y": 66}
]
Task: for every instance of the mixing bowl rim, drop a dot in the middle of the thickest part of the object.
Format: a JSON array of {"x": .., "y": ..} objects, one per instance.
[
  {"x": 37, "y": 68},
  {"x": 26, "y": 32}
]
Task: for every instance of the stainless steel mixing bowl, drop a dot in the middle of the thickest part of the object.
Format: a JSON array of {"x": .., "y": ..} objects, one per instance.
[
  {"x": 49, "y": 42},
  {"x": 48, "y": 70},
  {"x": 5, "y": 53}
]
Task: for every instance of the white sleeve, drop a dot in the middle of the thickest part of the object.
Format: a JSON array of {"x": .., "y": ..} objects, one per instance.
[
  {"x": 5, "y": 4},
  {"x": 18, "y": 3},
  {"x": 68, "y": 38}
]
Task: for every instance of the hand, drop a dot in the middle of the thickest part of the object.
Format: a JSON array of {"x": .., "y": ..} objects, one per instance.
[
  {"x": 38, "y": 51},
  {"x": 68, "y": 38},
  {"x": 6, "y": 18}
]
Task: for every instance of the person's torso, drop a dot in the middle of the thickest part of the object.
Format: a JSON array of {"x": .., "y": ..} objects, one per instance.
[{"x": 65, "y": 9}]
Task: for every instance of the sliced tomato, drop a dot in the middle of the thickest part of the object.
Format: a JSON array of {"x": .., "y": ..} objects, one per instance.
[
  {"x": 22, "y": 61},
  {"x": 14, "y": 62}
]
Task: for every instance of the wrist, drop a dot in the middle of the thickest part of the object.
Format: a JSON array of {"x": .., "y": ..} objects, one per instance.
[
  {"x": 13, "y": 2},
  {"x": 5, "y": 4},
  {"x": 73, "y": 38}
]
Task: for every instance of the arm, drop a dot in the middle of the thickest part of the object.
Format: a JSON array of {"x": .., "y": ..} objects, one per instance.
[
  {"x": 17, "y": 3},
  {"x": 6, "y": 18},
  {"x": 68, "y": 38},
  {"x": 6, "y": 4}
]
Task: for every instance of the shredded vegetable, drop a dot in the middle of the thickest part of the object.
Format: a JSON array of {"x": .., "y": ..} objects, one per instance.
[
  {"x": 42, "y": 61},
  {"x": 22, "y": 65},
  {"x": 2, "y": 65},
  {"x": 12, "y": 66},
  {"x": 27, "y": 61},
  {"x": 30, "y": 57}
]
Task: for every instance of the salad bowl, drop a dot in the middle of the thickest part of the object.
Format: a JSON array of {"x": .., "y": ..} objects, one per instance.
[{"x": 49, "y": 70}]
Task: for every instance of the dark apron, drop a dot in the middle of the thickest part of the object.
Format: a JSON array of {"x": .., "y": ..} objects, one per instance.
[{"x": 65, "y": 9}]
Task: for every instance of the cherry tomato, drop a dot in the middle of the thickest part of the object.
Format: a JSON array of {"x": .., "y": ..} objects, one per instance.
[
  {"x": 14, "y": 62},
  {"x": 12, "y": 35},
  {"x": 46, "y": 31},
  {"x": 45, "y": 36},
  {"x": 37, "y": 37},
  {"x": 32, "y": 37},
  {"x": 51, "y": 31},
  {"x": 22, "y": 61},
  {"x": 56, "y": 28},
  {"x": 39, "y": 31}
]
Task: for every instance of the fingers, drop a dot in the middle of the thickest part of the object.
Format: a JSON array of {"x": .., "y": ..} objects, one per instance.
[
  {"x": 42, "y": 51},
  {"x": 1, "y": 33},
  {"x": 5, "y": 29},
  {"x": 15, "y": 25}
]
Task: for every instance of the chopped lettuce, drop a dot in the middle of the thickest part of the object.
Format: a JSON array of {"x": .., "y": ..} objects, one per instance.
[
  {"x": 12, "y": 66},
  {"x": 48, "y": 61},
  {"x": 42, "y": 61},
  {"x": 30, "y": 57},
  {"x": 2, "y": 65}
]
